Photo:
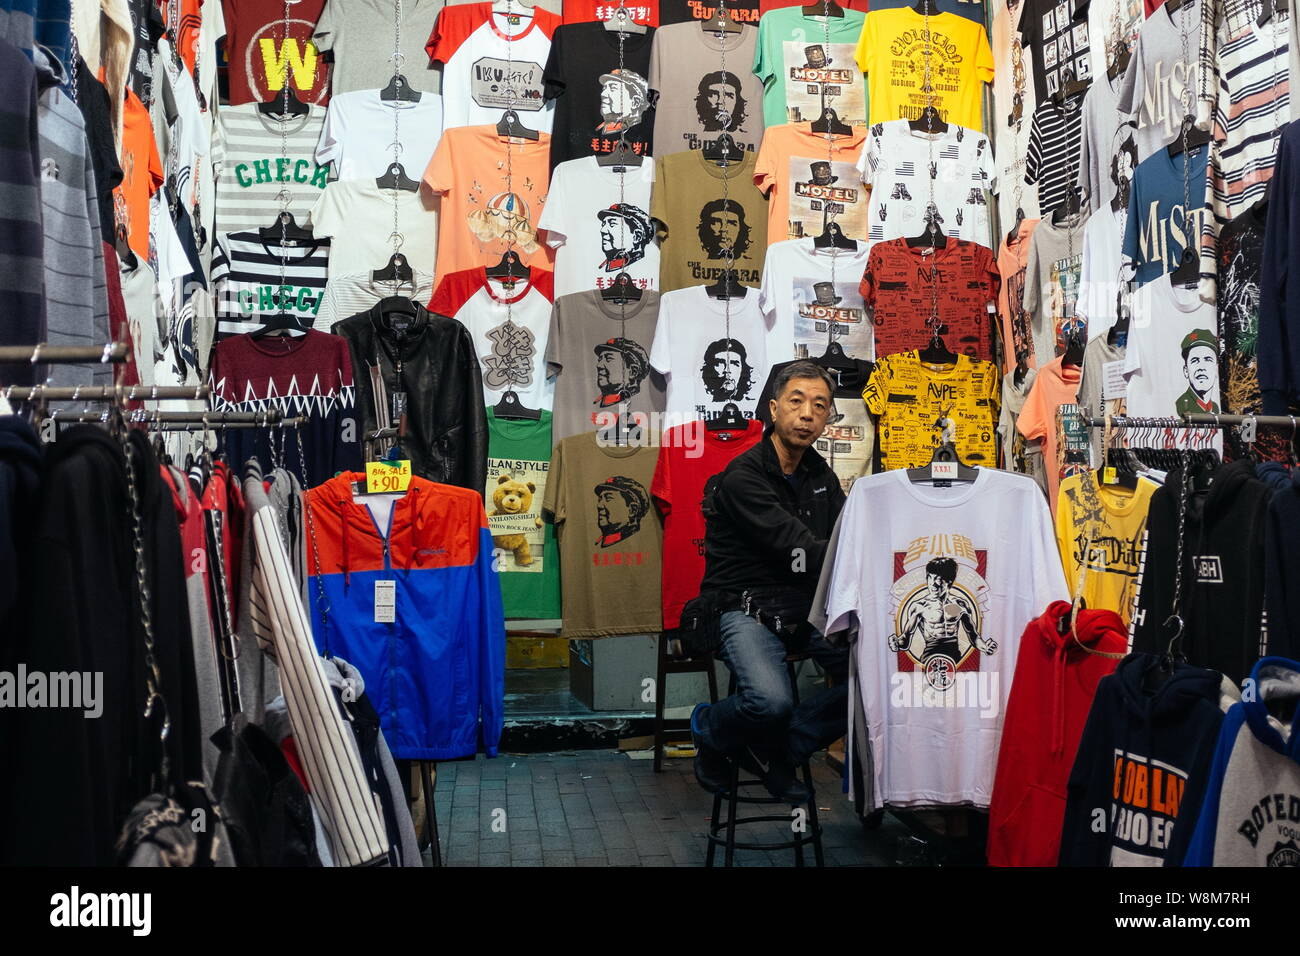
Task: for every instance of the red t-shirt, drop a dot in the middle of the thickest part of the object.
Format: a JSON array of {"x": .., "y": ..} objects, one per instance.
[
  {"x": 897, "y": 288},
  {"x": 689, "y": 456},
  {"x": 260, "y": 57},
  {"x": 586, "y": 11}
]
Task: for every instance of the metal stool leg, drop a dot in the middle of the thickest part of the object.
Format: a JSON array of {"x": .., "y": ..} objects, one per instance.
[
  {"x": 714, "y": 827},
  {"x": 430, "y": 813},
  {"x": 731, "y": 814},
  {"x": 813, "y": 821},
  {"x": 794, "y": 696},
  {"x": 661, "y": 678}
]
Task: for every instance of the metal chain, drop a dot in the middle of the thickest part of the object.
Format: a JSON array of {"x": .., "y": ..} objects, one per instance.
[
  {"x": 511, "y": 206},
  {"x": 729, "y": 248},
  {"x": 74, "y": 53},
  {"x": 396, "y": 237},
  {"x": 1185, "y": 480},
  {"x": 931, "y": 210},
  {"x": 283, "y": 195},
  {"x": 830, "y": 158},
  {"x": 322, "y": 599}
]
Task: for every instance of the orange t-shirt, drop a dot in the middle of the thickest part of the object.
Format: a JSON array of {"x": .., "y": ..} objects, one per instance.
[
  {"x": 142, "y": 172},
  {"x": 803, "y": 181},
  {"x": 1057, "y": 384},
  {"x": 481, "y": 212}
]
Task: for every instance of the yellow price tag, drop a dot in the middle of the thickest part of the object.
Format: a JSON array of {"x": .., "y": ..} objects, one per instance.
[
  {"x": 387, "y": 477},
  {"x": 1109, "y": 476}
]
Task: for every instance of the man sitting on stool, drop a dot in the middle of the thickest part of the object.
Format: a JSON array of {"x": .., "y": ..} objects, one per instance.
[{"x": 768, "y": 519}]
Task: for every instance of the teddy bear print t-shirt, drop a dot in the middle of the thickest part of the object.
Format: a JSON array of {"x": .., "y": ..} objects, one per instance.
[
  {"x": 518, "y": 466},
  {"x": 610, "y": 534}
]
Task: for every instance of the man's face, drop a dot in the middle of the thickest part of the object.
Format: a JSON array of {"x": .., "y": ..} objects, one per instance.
[
  {"x": 937, "y": 585},
  {"x": 1202, "y": 369},
  {"x": 722, "y": 100},
  {"x": 615, "y": 235},
  {"x": 726, "y": 365},
  {"x": 611, "y": 510},
  {"x": 724, "y": 226},
  {"x": 800, "y": 414},
  {"x": 611, "y": 368}
]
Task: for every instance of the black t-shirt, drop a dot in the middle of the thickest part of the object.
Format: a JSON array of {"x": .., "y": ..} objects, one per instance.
[
  {"x": 1055, "y": 34},
  {"x": 595, "y": 103},
  {"x": 92, "y": 98},
  {"x": 147, "y": 24},
  {"x": 685, "y": 11}
]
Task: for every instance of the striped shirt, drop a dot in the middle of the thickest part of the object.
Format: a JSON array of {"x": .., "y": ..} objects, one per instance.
[
  {"x": 345, "y": 296},
  {"x": 327, "y": 749},
  {"x": 246, "y": 276},
  {"x": 1053, "y": 159},
  {"x": 251, "y": 169}
]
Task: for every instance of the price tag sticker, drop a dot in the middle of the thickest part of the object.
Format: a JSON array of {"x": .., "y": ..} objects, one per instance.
[
  {"x": 386, "y": 476},
  {"x": 1109, "y": 476},
  {"x": 943, "y": 470},
  {"x": 385, "y": 602}
]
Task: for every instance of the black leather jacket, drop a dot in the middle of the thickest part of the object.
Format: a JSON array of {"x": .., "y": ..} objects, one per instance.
[{"x": 446, "y": 425}]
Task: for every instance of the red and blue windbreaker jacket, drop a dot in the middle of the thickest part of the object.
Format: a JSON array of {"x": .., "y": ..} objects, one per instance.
[{"x": 436, "y": 675}]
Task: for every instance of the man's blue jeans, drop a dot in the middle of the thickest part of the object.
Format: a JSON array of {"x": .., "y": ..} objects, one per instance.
[{"x": 762, "y": 712}]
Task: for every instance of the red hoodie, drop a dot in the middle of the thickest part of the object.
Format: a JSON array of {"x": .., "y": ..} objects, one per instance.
[{"x": 1050, "y": 697}]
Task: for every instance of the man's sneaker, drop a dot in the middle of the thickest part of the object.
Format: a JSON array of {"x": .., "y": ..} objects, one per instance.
[{"x": 712, "y": 768}]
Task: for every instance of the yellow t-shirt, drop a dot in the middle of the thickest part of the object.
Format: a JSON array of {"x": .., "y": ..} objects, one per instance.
[
  {"x": 892, "y": 52},
  {"x": 1114, "y": 519},
  {"x": 908, "y": 396}
]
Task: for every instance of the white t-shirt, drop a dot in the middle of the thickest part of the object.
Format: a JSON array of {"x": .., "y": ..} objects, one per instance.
[
  {"x": 598, "y": 232},
  {"x": 703, "y": 369},
  {"x": 895, "y": 163},
  {"x": 949, "y": 577},
  {"x": 1014, "y": 77},
  {"x": 806, "y": 309},
  {"x": 358, "y": 134},
  {"x": 1162, "y": 381},
  {"x": 357, "y": 217},
  {"x": 1102, "y": 270},
  {"x": 475, "y": 86}
]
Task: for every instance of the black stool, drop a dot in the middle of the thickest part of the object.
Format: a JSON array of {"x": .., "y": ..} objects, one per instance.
[
  {"x": 734, "y": 799},
  {"x": 668, "y": 664}
]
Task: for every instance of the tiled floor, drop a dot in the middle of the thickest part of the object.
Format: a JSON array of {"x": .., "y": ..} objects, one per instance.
[{"x": 601, "y": 808}]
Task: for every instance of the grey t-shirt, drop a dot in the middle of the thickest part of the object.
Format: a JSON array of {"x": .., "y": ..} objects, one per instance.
[
  {"x": 361, "y": 32},
  {"x": 601, "y": 361},
  {"x": 1108, "y": 151},
  {"x": 1052, "y": 281},
  {"x": 698, "y": 99},
  {"x": 1019, "y": 454},
  {"x": 1096, "y": 357}
]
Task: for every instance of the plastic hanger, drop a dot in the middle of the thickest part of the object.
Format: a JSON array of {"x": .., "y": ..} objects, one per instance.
[
  {"x": 723, "y": 151},
  {"x": 728, "y": 286},
  {"x": 622, "y": 155},
  {"x": 395, "y": 178},
  {"x": 621, "y": 290},
  {"x": 286, "y": 103},
  {"x": 510, "y": 127},
  {"x": 399, "y": 89},
  {"x": 509, "y": 269},
  {"x": 1189, "y": 135},
  {"x": 285, "y": 229},
  {"x": 832, "y": 237},
  {"x": 729, "y": 419},
  {"x": 827, "y": 8},
  {"x": 620, "y": 21},
  {"x": 929, "y": 121},
  {"x": 830, "y": 122},
  {"x": 1014, "y": 234},
  {"x": 510, "y": 407},
  {"x": 397, "y": 270},
  {"x": 720, "y": 24}
]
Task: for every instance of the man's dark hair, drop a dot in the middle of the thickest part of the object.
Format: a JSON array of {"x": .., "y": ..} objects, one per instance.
[
  {"x": 715, "y": 247},
  {"x": 801, "y": 369},
  {"x": 945, "y": 568},
  {"x": 704, "y": 111}
]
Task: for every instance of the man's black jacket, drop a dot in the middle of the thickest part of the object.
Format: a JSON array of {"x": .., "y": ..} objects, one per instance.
[{"x": 759, "y": 531}]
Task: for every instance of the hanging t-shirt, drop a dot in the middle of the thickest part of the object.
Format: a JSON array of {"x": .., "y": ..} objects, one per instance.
[
  {"x": 599, "y": 99},
  {"x": 1056, "y": 384},
  {"x": 765, "y": 6},
  {"x": 142, "y": 173},
  {"x": 1101, "y": 390},
  {"x": 809, "y": 304},
  {"x": 518, "y": 467},
  {"x": 260, "y": 56},
  {"x": 1014, "y": 99},
  {"x": 689, "y": 455},
  {"x": 1108, "y": 22},
  {"x": 147, "y": 28},
  {"x": 1101, "y": 532},
  {"x": 509, "y": 326},
  {"x": 893, "y": 49},
  {"x": 701, "y": 96},
  {"x": 899, "y": 166},
  {"x": 1052, "y": 283},
  {"x": 309, "y": 376},
  {"x": 1103, "y": 273},
  {"x": 347, "y": 295},
  {"x": 610, "y": 535},
  {"x": 688, "y": 11},
  {"x": 491, "y": 64},
  {"x": 492, "y": 197},
  {"x": 599, "y": 354},
  {"x": 706, "y": 359},
  {"x": 1107, "y": 149},
  {"x": 360, "y": 35},
  {"x": 899, "y": 290},
  {"x": 1172, "y": 358},
  {"x": 246, "y": 280},
  {"x": 908, "y": 396},
  {"x": 1158, "y": 226},
  {"x": 1018, "y": 454},
  {"x": 358, "y": 216},
  {"x": 251, "y": 171},
  {"x": 360, "y": 129},
  {"x": 1013, "y": 259},
  {"x": 704, "y": 226},
  {"x": 598, "y": 221},
  {"x": 810, "y": 183},
  {"x": 941, "y": 582},
  {"x": 1057, "y": 37},
  {"x": 588, "y": 11},
  {"x": 1052, "y": 163},
  {"x": 807, "y": 64}
]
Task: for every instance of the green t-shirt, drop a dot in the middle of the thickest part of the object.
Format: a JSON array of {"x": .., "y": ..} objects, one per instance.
[
  {"x": 809, "y": 62},
  {"x": 519, "y": 460}
]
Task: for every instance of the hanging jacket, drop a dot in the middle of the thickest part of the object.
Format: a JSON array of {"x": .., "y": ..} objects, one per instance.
[
  {"x": 437, "y": 670},
  {"x": 446, "y": 424},
  {"x": 1050, "y": 697},
  {"x": 1140, "y": 751},
  {"x": 1282, "y": 560},
  {"x": 1223, "y": 571},
  {"x": 1250, "y": 799},
  {"x": 20, "y": 473}
]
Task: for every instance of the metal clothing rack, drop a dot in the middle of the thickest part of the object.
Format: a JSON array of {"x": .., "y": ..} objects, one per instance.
[
  {"x": 200, "y": 420},
  {"x": 44, "y": 353},
  {"x": 92, "y": 393},
  {"x": 1195, "y": 420}
]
